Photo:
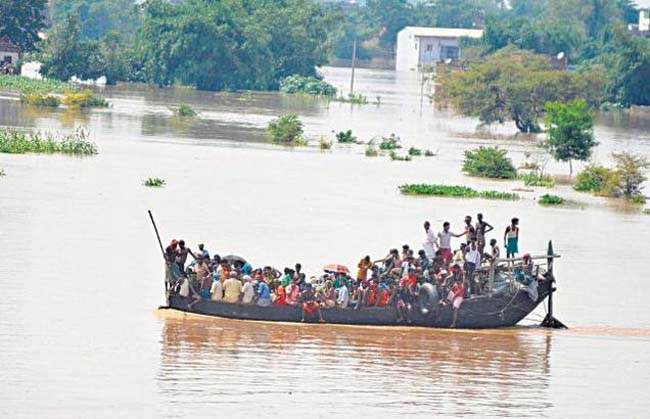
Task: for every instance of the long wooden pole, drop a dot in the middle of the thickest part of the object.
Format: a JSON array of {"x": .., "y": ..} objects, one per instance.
[
  {"x": 162, "y": 249},
  {"x": 354, "y": 63}
]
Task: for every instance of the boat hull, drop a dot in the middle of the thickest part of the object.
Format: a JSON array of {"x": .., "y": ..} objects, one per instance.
[{"x": 504, "y": 309}]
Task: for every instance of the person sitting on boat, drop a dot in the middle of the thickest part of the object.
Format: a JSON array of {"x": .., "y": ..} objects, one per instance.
[
  {"x": 459, "y": 255},
  {"x": 214, "y": 263},
  {"x": 279, "y": 297},
  {"x": 405, "y": 298},
  {"x": 262, "y": 294},
  {"x": 455, "y": 297},
  {"x": 342, "y": 296},
  {"x": 511, "y": 238},
  {"x": 216, "y": 290},
  {"x": 232, "y": 288},
  {"x": 292, "y": 292},
  {"x": 270, "y": 274},
  {"x": 439, "y": 261},
  {"x": 309, "y": 304},
  {"x": 327, "y": 295},
  {"x": 248, "y": 291},
  {"x": 285, "y": 279},
  {"x": 423, "y": 261},
  {"x": 247, "y": 269}
]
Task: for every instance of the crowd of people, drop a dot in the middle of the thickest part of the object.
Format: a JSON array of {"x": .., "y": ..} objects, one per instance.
[{"x": 393, "y": 280}]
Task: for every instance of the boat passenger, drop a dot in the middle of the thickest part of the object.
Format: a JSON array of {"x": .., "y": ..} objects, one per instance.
[
  {"x": 216, "y": 291},
  {"x": 405, "y": 298},
  {"x": 430, "y": 241},
  {"x": 405, "y": 252},
  {"x": 472, "y": 261},
  {"x": 292, "y": 293},
  {"x": 496, "y": 253},
  {"x": 445, "y": 241},
  {"x": 246, "y": 269},
  {"x": 214, "y": 264},
  {"x": 511, "y": 238},
  {"x": 470, "y": 231},
  {"x": 232, "y": 288},
  {"x": 342, "y": 296},
  {"x": 309, "y": 304},
  {"x": 328, "y": 295},
  {"x": 279, "y": 297},
  {"x": 459, "y": 255},
  {"x": 299, "y": 275},
  {"x": 482, "y": 228},
  {"x": 248, "y": 292},
  {"x": 171, "y": 269},
  {"x": 285, "y": 280},
  {"x": 263, "y": 294},
  {"x": 423, "y": 261},
  {"x": 455, "y": 297},
  {"x": 363, "y": 265},
  {"x": 181, "y": 255},
  {"x": 203, "y": 252}
]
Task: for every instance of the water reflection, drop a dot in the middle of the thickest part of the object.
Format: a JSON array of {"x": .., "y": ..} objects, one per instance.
[{"x": 377, "y": 371}]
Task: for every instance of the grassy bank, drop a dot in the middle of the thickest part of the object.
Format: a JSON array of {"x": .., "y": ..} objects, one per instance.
[
  {"x": 26, "y": 85},
  {"x": 455, "y": 192},
  {"x": 19, "y": 142}
]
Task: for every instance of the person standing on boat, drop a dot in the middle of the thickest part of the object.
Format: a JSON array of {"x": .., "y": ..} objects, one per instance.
[
  {"x": 171, "y": 269},
  {"x": 511, "y": 238},
  {"x": 292, "y": 293},
  {"x": 181, "y": 255},
  {"x": 430, "y": 241},
  {"x": 472, "y": 261},
  {"x": 363, "y": 265},
  {"x": 445, "y": 241},
  {"x": 203, "y": 252},
  {"x": 482, "y": 228},
  {"x": 470, "y": 231}
]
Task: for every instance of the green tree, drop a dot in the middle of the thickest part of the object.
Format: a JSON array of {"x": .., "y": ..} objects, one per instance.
[
  {"x": 21, "y": 20},
  {"x": 631, "y": 168},
  {"x": 390, "y": 17},
  {"x": 513, "y": 85},
  {"x": 570, "y": 131},
  {"x": 98, "y": 17}
]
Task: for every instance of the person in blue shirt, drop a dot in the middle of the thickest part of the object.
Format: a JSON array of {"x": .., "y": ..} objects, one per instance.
[
  {"x": 247, "y": 269},
  {"x": 263, "y": 295}
]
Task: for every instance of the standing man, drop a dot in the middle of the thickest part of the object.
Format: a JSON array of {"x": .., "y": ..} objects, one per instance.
[
  {"x": 445, "y": 241},
  {"x": 430, "y": 241},
  {"x": 511, "y": 238},
  {"x": 470, "y": 231},
  {"x": 181, "y": 255},
  {"x": 472, "y": 261},
  {"x": 482, "y": 228}
]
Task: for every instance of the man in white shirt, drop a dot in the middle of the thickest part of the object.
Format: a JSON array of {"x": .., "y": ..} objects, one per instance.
[
  {"x": 248, "y": 292},
  {"x": 430, "y": 241},
  {"x": 343, "y": 298},
  {"x": 445, "y": 241},
  {"x": 472, "y": 261}
]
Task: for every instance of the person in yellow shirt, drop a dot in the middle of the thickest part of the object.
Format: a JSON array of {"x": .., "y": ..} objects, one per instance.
[
  {"x": 232, "y": 288},
  {"x": 364, "y": 265}
]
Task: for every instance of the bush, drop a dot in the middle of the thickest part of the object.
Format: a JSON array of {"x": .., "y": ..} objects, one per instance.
[
  {"x": 154, "y": 182},
  {"x": 593, "y": 178},
  {"x": 184, "y": 110},
  {"x": 396, "y": 157},
  {"x": 18, "y": 142},
  {"x": 491, "y": 162},
  {"x": 549, "y": 199},
  {"x": 371, "y": 151},
  {"x": 354, "y": 98},
  {"x": 414, "y": 151},
  {"x": 324, "y": 144},
  {"x": 346, "y": 137},
  {"x": 27, "y": 85},
  {"x": 455, "y": 191},
  {"x": 40, "y": 99},
  {"x": 392, "y": 142},
  {"x": 84, "y": 99},
  {"x": 535, "y": 179},
  {"x": 307, "y": 85},
  {"x": 286, "y": 129},
  {"x": 429, "y": 153}
]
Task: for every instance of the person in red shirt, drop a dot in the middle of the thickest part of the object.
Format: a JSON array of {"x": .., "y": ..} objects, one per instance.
[{"x": 455, "y": 297}]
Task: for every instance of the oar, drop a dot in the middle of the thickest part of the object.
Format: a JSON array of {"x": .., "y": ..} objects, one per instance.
[{"x": 162, "y": 250}]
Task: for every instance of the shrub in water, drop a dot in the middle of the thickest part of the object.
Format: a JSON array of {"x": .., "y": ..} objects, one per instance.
[
  {"x": 346, "y": 137},
  {"x": 2, "y": 172},
  {"x": 40, "y": 99},
  {"x": 307, "y": 85},
  {"x": 535, "y": 179},
  {"x": 184, "y": 110},
  {"x": 592, "y": 178},
  {"x": 455, "y": 191},
  {"x": 84, "y": 99},
  {"x": 549, "y": 199},
  {"x": 286, "y": 129},
  {"x": 19, "y": 142},
  {"x": 27, "y": 85},
  {"x": 324, "y": 144},
  {"x": 392, "y": 142},
  {"x": 491, "y": 162},
  {"x": 429, "y": 153},
  {"x": 396, "y": 157},
  {"x": 415, "y": 151},
  {"x": 154, "y": 182},
  {"x": 371, "y": 151}
]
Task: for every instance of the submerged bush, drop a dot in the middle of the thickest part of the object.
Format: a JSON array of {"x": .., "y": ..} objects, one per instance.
[
  {"x": 415, "y": 151},
  {"x": 491, "y": 162},
  {"x": 184, "y": 110},
  {"x": 548, "y": 199},
  {"x": 535, "y": 179},
  {"x": 18, "y": 142},
  {"x": 371, "y": 151},
  {"x": 593, "y": 178},
  {"x": 84, "y": 99},
  {"x": 396, "y": 157},
  {"x": 324, "y": 144},
  {"x": 346, "y": 137},
  {"x": 154, "y": 182},
  {"x": 392, "y": 142},
  {"x": 286, "y": 129},
  {"x": 354, "y": 98},
  {"x": 307, "y": 85},
  {"x": 455, "y": 191},
  {"x": 40, "y": 99},
  {"x": 2, "y": 172}
]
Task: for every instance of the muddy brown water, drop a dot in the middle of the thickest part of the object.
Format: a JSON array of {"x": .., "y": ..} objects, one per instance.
[{"x": 81, "y": 272}]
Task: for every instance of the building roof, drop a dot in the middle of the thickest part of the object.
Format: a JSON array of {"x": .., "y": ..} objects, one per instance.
[
  {"x": 7, "y": 46},
  {"x": 421, "y": 31}
]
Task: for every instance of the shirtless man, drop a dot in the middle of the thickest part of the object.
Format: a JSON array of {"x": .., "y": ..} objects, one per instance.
[
  {"x": 181, "y": 255},
  {"x": 482, "y": 228}
]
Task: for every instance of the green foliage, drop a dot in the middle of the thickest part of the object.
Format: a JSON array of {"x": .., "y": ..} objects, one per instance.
[
  {"x": 391, "y": 142},
  {"x": 18, "y": 142},
  {"x": 21, "y": 20},
  {"x": 184, "y": 110},
  {"x": 353, "y": 98},
  {"x": 346, "y": 137},
  {"x": 570, "y": 130},
  {"x": 646, "y": 211},
  {"x": 491, "y": 162},
  {"x": 548, "y": 199},
  {"x": 513, "y": 85},
  {"x": 455, "y": 191},
  {"x": 593, "y": 178},
  {"x": 307, "y": 85},
  {"x": 40, "y": 99},
  {"x": 154, "y": 182},
  {"x": 286, "y": 129},
  {"x": 414, "y": 151},
  {"x": 235, "y": 44},
  {"x": 396, "y": 157},
  {"x": 631, "y": 169},
  {"x": 536, "y": 179},
  {"x": 98, "y": 17},
  {"x": 27, "y": 85},
  {"x": 84, "y": 99}
]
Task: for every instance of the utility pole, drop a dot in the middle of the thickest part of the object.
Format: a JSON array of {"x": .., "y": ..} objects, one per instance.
[{"x": 354, "y": 63}]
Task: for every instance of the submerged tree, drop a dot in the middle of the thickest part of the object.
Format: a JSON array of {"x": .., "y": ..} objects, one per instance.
[
  {"x": 570, "y": 131},
  {"x": 631, "y": 169}
]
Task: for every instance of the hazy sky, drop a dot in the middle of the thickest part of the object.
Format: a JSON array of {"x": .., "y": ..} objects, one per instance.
[{"x": 643, "y": 3}]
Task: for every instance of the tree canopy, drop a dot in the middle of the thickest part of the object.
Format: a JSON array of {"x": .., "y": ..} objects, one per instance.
[
  {"x": 97, "y": 18},
  {"x": 21, "y": 21}
]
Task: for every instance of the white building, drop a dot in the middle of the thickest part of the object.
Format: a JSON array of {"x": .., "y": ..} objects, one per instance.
[
  {"x": 9, "y": 52},
  {"x": 644, "y": 20},
  {"x": 419, "y": 46}
]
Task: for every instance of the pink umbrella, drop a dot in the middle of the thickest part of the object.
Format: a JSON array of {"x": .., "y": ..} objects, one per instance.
[{"x": 337, "y": 268}]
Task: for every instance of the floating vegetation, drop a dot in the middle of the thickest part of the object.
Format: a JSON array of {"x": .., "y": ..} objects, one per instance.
[
  {"x": 535, "y": 179},
  {"x": 40, "y": 99},
  {"x": 307, "y": 85},
  {"x": 184, "y": 110},
  {"x": 646, "y": 211},
  {"x": 392, "y": 142},
  {"x": 19, "y": 142},
  {"x": 455, "y": 191},
  {"x": 286, "y": 129},
  {"x": 154, "y": 182},
  {"x": 429, "y": 153},
  {"x": 415, "y": 151},
  {"x": 84, "y": 99},
  {"x": 27, "y": 85},
  {"x": 490, "y": 162},
  {"x": 324, "y": 144},
  {"x": 354, "y": 98},
  {"x": 371, "y": 151},
  {"x": 346, "y": 137},
  {"x": 548, "y": 199},
  {"x": 396, "y": 157}
]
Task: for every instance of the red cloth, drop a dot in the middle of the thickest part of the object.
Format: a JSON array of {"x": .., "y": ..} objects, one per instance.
[
  {"x": 310, "y": 307},
  {"x": 458, "y": 289},
  {"x": 446, "y": 254}
]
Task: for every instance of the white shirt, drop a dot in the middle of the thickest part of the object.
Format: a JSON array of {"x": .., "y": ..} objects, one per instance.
[
  {"x": 344, "y": 297},
  {"x": 445, "y": 239},
  {"x": 473, "y": 256},
  {"x": 430, "y": 237},
  {"x": 216, "y": 291},
  {"x": 249, "y": 293}
]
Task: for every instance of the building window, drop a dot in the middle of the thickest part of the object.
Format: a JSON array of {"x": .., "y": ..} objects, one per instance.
[
  {"x": 7, "y": 59},
  {"x": 429, "y": 48},
  {"x": 449, "y": 53}
]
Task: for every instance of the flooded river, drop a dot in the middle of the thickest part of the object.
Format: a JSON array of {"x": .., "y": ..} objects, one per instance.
[{"x": 81, "y": 276}]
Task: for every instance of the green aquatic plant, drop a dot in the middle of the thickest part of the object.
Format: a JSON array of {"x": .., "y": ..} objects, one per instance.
[
  {"x": 548, "y": 199},
  {"x": 346, "y": 137},
  {"x": 646, "y": 211},
  {"x": 154, "y": 182},
  {"x": 40, "y": 99},
  {"x": 324, "y": 144},
  {"x": 84, "y": 99},
  {"x": 535, "y": 179},
  {"x": 391, "y": 142},
  {"x": 429, "y": 153},
  {"x": 27, "y": 85},
  {"x": 286, "y": 129},
  {"x": 19, "y": 142},
  {"x": 414, "y": 151},
  {"x": 307, "y": 85},
  {"x": 490, "y": 162},
  {"x": 455, "y": 191},
  {"x": 184, "y": 110},
  {"x": 396, "y": 157},
  {"x": 353, "y": 98}
]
